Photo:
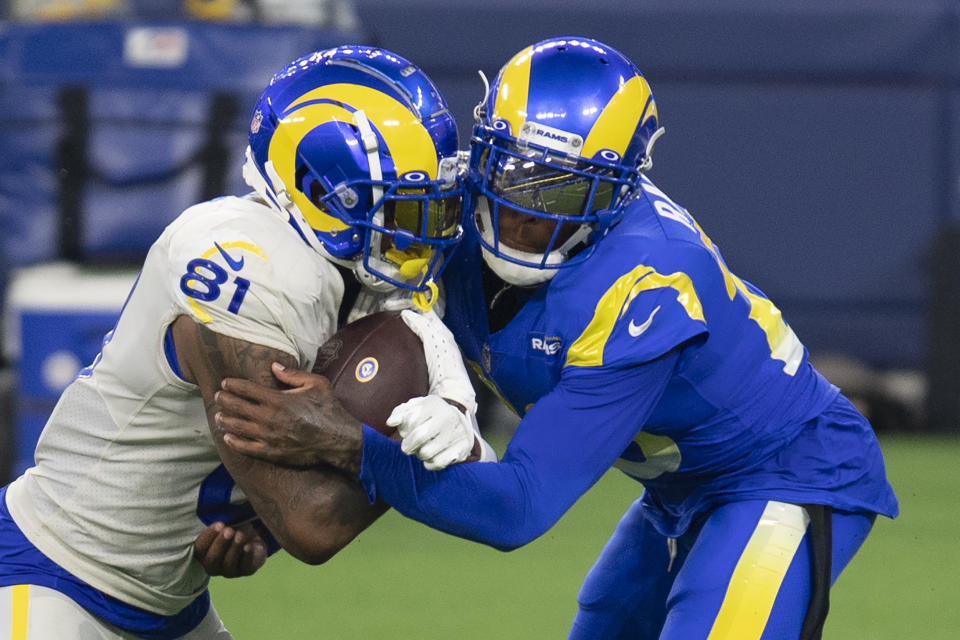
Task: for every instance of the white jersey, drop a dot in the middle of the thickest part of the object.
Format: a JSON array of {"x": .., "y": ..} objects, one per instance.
[{"x": 126, "y": 462}]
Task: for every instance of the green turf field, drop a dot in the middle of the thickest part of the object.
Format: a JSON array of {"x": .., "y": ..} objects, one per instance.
[{"x": 402, "y": 580}]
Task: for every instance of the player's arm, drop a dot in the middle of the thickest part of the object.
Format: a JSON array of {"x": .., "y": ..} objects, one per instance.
[
  {"x": 312, "y": 513},
  {"x": 561, "y": 447}
]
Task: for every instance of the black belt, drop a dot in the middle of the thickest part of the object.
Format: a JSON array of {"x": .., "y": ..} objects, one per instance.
[{"x": 821, "y": 556}]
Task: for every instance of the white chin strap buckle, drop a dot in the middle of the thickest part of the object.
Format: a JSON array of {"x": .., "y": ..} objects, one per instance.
[
  {"x": 283, "y": 199},
  {"x": 648, "y": 152}
]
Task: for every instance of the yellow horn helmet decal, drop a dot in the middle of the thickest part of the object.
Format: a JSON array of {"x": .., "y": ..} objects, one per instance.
[
  {"x": 614, "y": 128},
  {"x": 405, "y": 137},
  {"x": 511, "y": 104}
]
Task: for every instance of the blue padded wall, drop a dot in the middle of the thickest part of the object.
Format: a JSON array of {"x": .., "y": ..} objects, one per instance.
[
  {"x": 145, "y": 125},
  {"x": 815, "y": 140}
]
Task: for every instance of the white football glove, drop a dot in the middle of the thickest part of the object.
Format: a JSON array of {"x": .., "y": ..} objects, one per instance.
[
  {"x": 431, "y": 428},
  {"x": 448, "y": 376}
]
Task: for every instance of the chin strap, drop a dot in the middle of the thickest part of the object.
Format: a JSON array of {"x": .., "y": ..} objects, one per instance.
[
  {"x": 275, "y": 194},
  {"x": 279, "y": 190},
  {"x": 370, "y": 146},
  {"x": 582, "y": 234},
  {"x": 477, "y": 110}
]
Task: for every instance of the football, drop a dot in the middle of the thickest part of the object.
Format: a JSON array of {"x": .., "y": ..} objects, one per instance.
[{"x": 374, "y": 364}]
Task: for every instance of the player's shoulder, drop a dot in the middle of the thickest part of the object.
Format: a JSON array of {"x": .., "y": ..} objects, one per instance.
[
  {"x": 637, "y": 296},
  {"x": 624, "y": 259},
  {"x": 244, "y": 235},
  {"x": 232, "y": 213},
  {"x": 654, "y": 216},
  {"x": 237, "y": 266},
  {"x": 244, "y": 222},
  {"x": 657, "y": 232}
]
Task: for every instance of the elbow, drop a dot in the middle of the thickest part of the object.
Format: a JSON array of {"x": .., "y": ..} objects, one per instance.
[
  {"x": 312, "y": 555},
  {"x": 514, "y": 541},
  {"x": 518, "y": 533},
  {"x": 510, "y": 519},
  {"x": 507, "y": 546},
  {"x": 312, "y": 552},
  {"x": 313, "y": 545}
]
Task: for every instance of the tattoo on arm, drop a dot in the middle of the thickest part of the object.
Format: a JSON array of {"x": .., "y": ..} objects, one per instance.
[{"x": 282, "y": 497}]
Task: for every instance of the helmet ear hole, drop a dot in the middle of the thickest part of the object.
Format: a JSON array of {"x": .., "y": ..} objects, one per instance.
[
  {"x": 299, "y": 177},
  {"x": 316, "y": 192}
]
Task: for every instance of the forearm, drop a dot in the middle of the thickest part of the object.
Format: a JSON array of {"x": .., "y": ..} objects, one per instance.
[
  {"x": 484, "y": 502},
  {"x": 312, "y": 513},
  {"x": 568, "y": 440}
]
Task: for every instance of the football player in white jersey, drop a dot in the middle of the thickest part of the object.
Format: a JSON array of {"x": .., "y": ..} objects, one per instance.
[{"x": 352, "y": 158}]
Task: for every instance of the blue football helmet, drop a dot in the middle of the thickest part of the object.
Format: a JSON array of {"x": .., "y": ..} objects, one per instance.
[
  {"x": 356, "y": 147},
  {"x": 562, "y": 135}
]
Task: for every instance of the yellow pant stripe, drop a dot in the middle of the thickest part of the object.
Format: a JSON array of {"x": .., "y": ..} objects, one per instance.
[
  {"x": 21, "y": 599},
  {"x": 759, "y": 573}
]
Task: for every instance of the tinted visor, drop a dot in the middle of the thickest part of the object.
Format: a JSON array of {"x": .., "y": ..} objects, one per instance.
[
  {"x": 551, "y": 188},
  {"x": 424, "y": 216}
]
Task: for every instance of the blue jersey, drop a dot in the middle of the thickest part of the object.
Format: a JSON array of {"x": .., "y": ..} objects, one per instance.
[{"x": 653, "y": 356}]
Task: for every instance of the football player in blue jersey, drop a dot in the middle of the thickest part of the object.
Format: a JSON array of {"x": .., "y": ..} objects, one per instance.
[{"x": 602, "y": 313}]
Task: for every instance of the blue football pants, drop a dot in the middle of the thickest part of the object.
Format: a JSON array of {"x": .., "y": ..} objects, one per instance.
[{"x": 742, "y": 574}]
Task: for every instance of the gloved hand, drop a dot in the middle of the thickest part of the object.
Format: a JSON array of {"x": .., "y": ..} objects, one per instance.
[
  {"x": 430, "y": 427},
  {"x": 434, "y": 430},
  {"x": 448, "y": 375}
]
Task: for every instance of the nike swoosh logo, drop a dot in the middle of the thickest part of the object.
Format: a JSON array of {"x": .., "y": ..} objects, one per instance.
[
  {"x": 236, "y": 265},
  {"x": 636, "y": 330}
]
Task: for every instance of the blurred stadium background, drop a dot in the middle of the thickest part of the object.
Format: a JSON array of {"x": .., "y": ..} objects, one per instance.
[{"x": 818, "y": 143}]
